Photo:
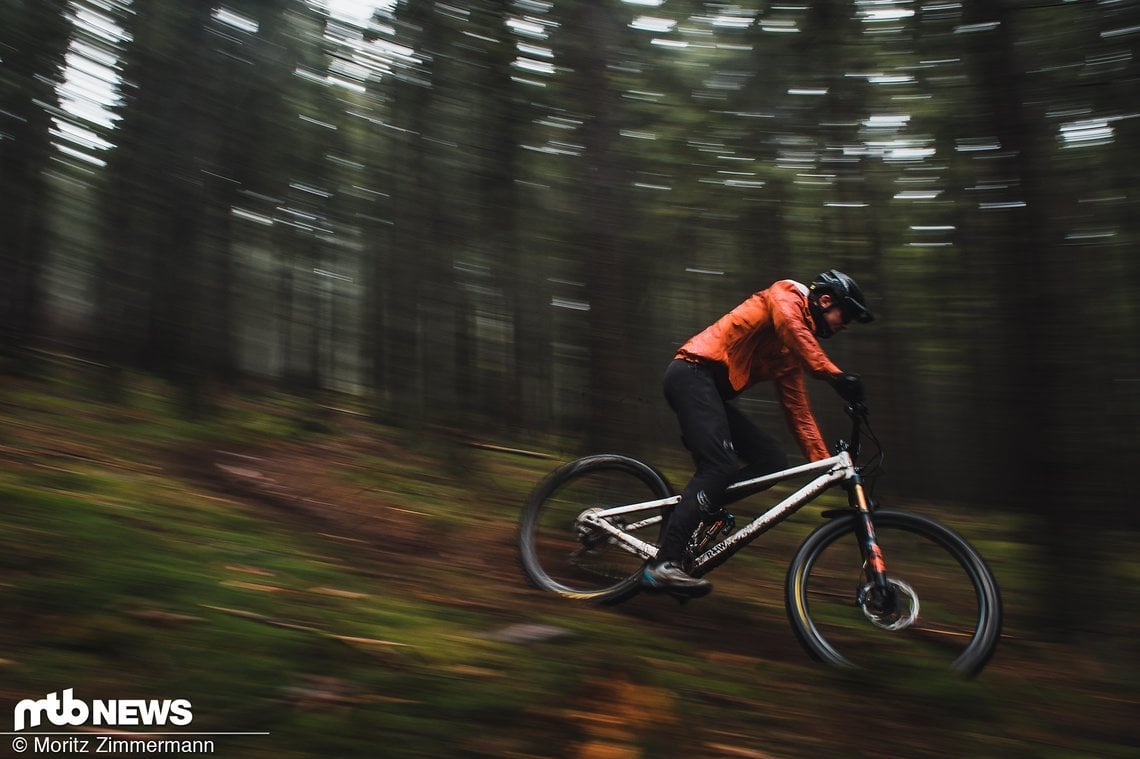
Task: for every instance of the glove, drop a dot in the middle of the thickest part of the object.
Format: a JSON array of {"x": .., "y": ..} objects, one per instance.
[{"x": 849, "y": 387}]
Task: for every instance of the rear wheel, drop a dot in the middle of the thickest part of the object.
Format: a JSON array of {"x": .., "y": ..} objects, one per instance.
[
  {"x": 940, "y": 607},
  {"x": 563, "y": 554}
]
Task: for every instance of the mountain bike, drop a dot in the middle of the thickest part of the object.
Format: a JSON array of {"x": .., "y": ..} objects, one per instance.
[{"x": 870, "y": 586}]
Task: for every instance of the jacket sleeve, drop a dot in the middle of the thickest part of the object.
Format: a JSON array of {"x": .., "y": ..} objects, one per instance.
[
  {"x": 792, "y": 328},
  {"x": 797, "y": 410}
]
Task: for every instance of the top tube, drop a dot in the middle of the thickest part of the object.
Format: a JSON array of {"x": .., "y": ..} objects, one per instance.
[{"x": 841, "y": 460}]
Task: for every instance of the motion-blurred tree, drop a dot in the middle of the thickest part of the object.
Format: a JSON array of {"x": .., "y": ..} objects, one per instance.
[
  {"x": 34, "y": 37},
  {"x": 197, "y": 129},
  {"x": 527, "y": 205}
]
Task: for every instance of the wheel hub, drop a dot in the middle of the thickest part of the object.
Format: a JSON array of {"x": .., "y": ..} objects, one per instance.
[{"x": 590, "y": 535}]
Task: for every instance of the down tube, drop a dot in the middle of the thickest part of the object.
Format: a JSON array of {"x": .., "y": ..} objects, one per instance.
[{"x": 722, "y": 551}]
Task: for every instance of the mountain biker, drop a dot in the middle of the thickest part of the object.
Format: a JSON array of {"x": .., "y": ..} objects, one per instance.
[{"x": 773, "y": 335}]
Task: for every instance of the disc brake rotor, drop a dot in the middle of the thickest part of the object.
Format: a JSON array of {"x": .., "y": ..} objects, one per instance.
[{"x": 895, "y": 608}]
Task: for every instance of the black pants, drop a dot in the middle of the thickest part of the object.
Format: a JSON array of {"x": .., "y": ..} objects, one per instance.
[{"x": 720, "y": 438}]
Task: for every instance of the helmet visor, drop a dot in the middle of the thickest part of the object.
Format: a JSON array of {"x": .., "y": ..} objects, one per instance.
[{"x": 854, "y": 311}]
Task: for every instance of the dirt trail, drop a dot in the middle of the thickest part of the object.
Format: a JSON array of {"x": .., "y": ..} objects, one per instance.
[{"x": 313, "y": 484}]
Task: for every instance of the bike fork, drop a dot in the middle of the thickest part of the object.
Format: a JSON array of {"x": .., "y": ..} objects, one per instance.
[
  {"x": 872, "y": 555},
  {"x": 888, "y": 603},
  {"x": 873, "y": 564}
]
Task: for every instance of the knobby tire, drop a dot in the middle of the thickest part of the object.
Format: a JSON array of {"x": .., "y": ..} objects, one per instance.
[
  {"x": 959, "y": 615},
  {"x": 558, "y": 558}
]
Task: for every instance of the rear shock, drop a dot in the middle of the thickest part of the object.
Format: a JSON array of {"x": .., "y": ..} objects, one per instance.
[{"x": 707, "y": 533}]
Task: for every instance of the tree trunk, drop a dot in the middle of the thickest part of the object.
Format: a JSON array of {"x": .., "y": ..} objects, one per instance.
[{"x": 33, "y": 39}]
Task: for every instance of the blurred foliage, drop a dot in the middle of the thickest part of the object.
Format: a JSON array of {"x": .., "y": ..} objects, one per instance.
[{"x": 502, "y": 216}]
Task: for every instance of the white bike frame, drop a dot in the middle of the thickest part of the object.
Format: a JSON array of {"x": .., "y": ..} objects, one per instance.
[{"x": 829, "y": 471}]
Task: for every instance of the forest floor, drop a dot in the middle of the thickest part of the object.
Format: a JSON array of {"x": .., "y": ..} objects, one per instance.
[{"x": 354, "y": 591}]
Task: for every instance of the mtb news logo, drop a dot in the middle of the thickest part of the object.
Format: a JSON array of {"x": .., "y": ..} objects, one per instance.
[{"x": 69, "y": 711}]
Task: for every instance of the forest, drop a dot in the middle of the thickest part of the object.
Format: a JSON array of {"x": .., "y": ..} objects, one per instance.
[{"x": 498, "y": 219}]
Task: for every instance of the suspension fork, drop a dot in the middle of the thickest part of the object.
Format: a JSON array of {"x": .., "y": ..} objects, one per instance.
[{"x": 873, "y": 563}]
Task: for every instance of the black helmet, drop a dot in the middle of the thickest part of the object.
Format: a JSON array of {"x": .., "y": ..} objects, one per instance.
[{"x": 846, "y": 294}]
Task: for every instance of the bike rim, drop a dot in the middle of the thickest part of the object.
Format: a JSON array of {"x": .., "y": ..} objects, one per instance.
[
  {"x": 938, "y": 581},
  {"x": 579, "y": 561}
]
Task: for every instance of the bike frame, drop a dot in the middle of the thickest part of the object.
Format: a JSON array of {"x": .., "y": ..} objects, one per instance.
[{"x": 829, "y": 472}]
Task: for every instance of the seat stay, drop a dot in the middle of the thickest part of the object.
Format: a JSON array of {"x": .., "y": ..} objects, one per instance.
[
  {"x": 628, "y": 542},
  {"x": 658, "y": 503}
]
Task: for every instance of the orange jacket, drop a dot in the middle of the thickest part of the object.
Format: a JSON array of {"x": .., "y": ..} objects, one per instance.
[{"x": 770, "y": 337}]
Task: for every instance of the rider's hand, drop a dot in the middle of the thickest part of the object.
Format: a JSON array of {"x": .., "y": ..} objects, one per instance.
[{"x": 849, "y": 387}]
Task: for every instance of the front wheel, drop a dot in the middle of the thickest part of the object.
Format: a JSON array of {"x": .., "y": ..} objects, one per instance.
[
  {"x": 939, "y": 608},
  {"x": 561, "y": 552}
]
